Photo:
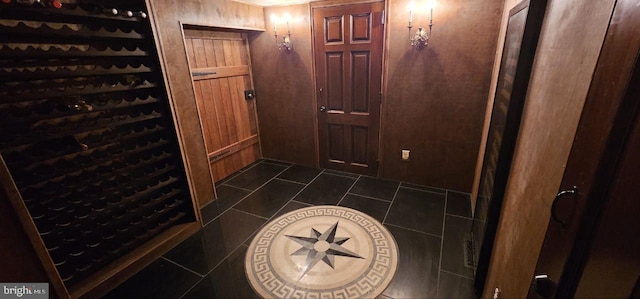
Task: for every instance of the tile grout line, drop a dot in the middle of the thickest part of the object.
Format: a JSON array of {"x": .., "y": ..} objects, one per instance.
[
  {"x": 232, "y": 186},
  {"x": 265, "y": 183},
  {"x": 418, "y": 186},
  {"x": 245, "y": 197},
  {"x": 304, "y": 188},
  {"x": 278, "y": 211},
  {"x": 413, "y": 230},
  {"x": 458, "y": 216},
  {"x": 345, "y": 194},
  {"x": 290, "y": 181},
  {"x": 391, "y": 204},
  {"x": 342, "y": 175},
  {"x": 249, "y": 213},
  {"x": 192, "y": 287},
  {"x": 232, "y": 207},
  {"x": 422, "y": 190},
  {"x": 456, "y": 274},
  {"x": 300, "y": 202},
  {"x": 245, "y": 240},
  {"x": 444, "y": 217},
  {"x": 237, "y": 173},
  {"x": 369, "y": 197},
  {"x": 181, "y": 266}
]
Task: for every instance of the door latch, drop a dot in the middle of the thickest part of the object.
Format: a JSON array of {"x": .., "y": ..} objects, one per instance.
[
  {"x": 554, "y": 206},
  {"x": 249, "y": 94},
  {"x": 544, "y": 286}
]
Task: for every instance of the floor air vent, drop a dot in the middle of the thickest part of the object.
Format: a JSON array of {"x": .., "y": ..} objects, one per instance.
[{"x": 468, "y": 253}]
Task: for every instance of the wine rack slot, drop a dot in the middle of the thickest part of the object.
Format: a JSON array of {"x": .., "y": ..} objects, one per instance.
[
  {"x": 87, "y": 134},
  {"x": 26, "y": 31}
]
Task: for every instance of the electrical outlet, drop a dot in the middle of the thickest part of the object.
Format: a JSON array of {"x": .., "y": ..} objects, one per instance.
[
  {"x": 496, "y": 293},
  {"x": 405, "y": 154}
]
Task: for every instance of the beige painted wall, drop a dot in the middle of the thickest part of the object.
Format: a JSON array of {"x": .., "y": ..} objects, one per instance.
[
  {"x": 565, "y": 60},
  {"x": 167, "y": 16}
]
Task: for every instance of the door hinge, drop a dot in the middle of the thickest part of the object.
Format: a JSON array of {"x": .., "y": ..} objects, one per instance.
[
  {"x": 380, "y": 97},
  {"x": 382, "y": 21}
]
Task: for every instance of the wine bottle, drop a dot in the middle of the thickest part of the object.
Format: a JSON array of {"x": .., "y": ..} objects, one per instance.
[
  {"x": 50, "y": 3},
  {"x": 128, "y": 13},
  {"x": 26, "y": 2},
  {"x": 133, "y": 81},
  {"x": 97, "y": 9}
]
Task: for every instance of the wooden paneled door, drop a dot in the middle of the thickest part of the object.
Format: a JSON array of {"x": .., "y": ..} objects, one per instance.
[
  {"x": 221, "y": 70},
  {"x": 348, "y": 43}
]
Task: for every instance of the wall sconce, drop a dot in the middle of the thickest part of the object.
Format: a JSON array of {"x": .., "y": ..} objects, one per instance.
[
  {"x": 421, "y": 38},
  {"x": 286, "y": 43}
]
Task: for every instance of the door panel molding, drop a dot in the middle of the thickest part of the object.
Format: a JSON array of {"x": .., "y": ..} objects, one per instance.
[{"x": 348, "y": 61}]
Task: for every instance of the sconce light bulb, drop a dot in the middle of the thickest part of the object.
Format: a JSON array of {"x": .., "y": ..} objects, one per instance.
[
  {"x": 287, "y": 17},
  {"x": 274, "y": 18},
  {"x": 411, "y": 6}
]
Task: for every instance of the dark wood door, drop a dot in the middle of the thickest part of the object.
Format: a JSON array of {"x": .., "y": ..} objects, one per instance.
[
  {"x": 348, "y": 56},
  {"x": 596, "y": 163}
]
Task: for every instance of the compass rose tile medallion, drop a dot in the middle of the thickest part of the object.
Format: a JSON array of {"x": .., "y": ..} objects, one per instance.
[{"x": 322, "y": 252}]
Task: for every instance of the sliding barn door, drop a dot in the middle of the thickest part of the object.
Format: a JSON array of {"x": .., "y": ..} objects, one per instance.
[
  {"x": 348, "y": 54},
  {"x": 220, "y": 66}
]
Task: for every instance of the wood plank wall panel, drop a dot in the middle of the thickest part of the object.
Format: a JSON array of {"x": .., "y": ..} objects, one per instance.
[
  {"x": 227, "y": 118},
  {"x": 167, "y": 16},
  {"x": 435, "y": 98},
  {"x": 284, "y": 89},
  {"x": 562, "y": 71}
]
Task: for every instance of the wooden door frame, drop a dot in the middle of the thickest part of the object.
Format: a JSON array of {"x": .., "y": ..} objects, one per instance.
[
  {"x": 383, "y": 83},
  {"x": 609, "y": 111},
  {"x": 521, "y": 72},
  {"x": 193, "y": 88}
]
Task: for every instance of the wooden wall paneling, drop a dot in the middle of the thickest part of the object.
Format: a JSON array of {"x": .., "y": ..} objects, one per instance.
[{"x": 560, "y": 79}]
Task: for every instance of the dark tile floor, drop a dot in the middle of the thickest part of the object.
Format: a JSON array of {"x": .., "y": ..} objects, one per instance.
[{"x": 430, "y": 226}]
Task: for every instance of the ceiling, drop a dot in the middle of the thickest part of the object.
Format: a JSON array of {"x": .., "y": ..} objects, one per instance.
[{"x": 272, "y": 2}]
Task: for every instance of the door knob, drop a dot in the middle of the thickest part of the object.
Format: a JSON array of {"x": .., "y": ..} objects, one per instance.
[{"x": 323, "y": 108}]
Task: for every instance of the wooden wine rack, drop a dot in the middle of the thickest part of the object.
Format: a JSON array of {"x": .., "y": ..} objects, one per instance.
[{"x": 89, "y": 150}]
